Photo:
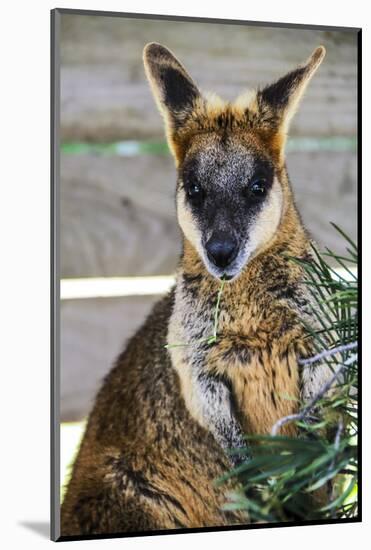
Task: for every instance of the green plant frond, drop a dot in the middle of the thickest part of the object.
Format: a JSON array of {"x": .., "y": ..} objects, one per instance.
[
  {"x": 352, "y": 254},
  {"x": 341, "y": 498},
  {"x": 351, "y": 258},
  {"x": 342, "y": 262},
  {"x": 346, "y": 237},
  {"x": 330, "y": 473}
]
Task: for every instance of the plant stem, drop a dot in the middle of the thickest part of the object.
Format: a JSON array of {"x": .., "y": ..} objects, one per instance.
[
  {"x": 210, "y": 339},
  {"x": 216, "y": 317},
  {"x": 327, "y": 353},
  {"x": 302, "y": 414}
]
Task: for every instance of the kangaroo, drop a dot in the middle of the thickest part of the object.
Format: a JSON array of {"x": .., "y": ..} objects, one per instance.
[{"x": 166, "y": 418}]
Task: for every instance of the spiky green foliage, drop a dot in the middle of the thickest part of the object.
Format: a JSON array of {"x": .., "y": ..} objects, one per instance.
[{"x": 314, "y": 476}]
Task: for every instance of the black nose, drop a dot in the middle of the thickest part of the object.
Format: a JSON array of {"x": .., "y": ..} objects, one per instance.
[{"x": 221, "y": 248}]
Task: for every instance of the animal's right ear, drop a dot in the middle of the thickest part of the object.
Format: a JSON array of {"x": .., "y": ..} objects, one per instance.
[{"x": 174, "y": 90}]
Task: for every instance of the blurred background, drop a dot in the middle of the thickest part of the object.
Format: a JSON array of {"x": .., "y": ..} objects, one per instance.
[{"x": 118, "y": 180}]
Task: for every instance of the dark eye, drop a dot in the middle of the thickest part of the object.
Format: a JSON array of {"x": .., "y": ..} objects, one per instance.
[
  {"x": 259, "y": 187},
  {"x": 195, "y": 192}
]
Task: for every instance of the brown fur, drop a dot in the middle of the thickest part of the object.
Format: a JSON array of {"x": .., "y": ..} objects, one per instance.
[
  {"x": 149, "y": 456},
  {"x": 144, "y": 464}
]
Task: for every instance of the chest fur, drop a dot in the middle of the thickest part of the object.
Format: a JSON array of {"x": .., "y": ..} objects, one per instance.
[
  {"x": 254, "y": 353},
  {"x": 265, "y": 389}
]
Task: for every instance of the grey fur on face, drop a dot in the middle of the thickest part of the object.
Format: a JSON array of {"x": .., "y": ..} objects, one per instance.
[{"x": 224, "y": 170}]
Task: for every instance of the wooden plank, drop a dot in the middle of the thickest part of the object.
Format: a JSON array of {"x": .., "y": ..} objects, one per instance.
[
  {"x": 118, "y": 217},
  {"x": 325, "y": 188},
  {"x": 93, "y": 332},
  {"x": 105, "y": 96},
  {"x": 118, "y": 214}
]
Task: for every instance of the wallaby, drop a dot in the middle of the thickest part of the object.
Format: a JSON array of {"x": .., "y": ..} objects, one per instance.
[{"x": 164, "y": 421}]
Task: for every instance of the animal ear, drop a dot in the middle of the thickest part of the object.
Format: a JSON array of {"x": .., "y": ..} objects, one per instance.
[
  {"x": 282, "y": 97},
  {"x": 174, "y": 90}
]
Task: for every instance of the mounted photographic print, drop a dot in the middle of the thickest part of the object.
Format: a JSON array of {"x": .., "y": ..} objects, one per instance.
[{"x": 205, "y": 282}]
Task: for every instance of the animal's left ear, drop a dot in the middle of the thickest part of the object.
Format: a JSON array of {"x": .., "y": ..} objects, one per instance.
[{"x": 280, "y": 100}]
